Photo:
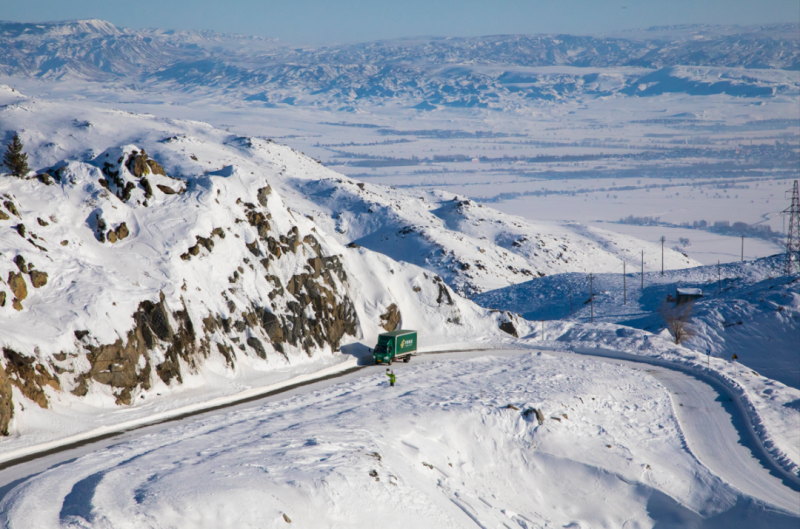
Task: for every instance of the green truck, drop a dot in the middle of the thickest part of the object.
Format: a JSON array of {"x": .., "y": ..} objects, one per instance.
[{"x": 395, "y": 345}]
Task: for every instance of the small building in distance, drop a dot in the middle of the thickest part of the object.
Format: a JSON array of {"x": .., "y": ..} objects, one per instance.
[{"x": 687, "y": 295}]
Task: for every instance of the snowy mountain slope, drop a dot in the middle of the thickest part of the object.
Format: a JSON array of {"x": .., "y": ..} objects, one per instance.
[
  {"x": 122, "y": 282},
  {"x": 505, "y": 71},
  {"x": 473, "y": 248},
  {"x": 755, "y": 314},
  {"x": 451, "y": 446}
]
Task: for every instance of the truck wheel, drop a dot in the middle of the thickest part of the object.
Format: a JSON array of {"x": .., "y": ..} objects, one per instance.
[
  {"x": 407, "y": 359},
  {"x": 390, "y": 361}
]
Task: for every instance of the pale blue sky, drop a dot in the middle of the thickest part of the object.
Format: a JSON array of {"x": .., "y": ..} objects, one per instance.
[{"x": 330, "y": 21}]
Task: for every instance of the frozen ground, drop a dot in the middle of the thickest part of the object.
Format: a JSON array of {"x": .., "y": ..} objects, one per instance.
[{"x": 441, "y": 449}]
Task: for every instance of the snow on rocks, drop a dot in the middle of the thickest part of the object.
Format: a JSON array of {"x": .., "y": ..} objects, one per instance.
[{"x": 139, "y": 270}]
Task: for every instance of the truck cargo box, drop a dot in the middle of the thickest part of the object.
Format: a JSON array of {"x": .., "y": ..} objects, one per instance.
[{"x": 395, "y": 345}]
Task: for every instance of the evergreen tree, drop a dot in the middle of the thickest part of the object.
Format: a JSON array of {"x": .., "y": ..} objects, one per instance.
[{"x": 15, "y": 159}]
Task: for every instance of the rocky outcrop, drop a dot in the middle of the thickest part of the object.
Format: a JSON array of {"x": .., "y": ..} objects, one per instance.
[
  {"x": 126, "y": 365},
  {"x": 304, "y": 307},
  {"x": 29, "y": 376},
  {"x": 38, "y": 279},
  {"x": 16, "y": 283},
  {"x": 390, "y": 320},
  {"x": 6, "y": 402},
  {"x": 139, "y": 164}
]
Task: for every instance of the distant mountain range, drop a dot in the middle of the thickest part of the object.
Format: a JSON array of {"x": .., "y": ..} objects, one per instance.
[{"x": 426, "y": 73}]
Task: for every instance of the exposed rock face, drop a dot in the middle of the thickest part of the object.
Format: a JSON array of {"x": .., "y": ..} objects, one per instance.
[
  {"x": 38, "y": 279},
  {"x": 262, "y": 195},
  {"x": 155, "y": 167},
  {"x": 305, "y": 305},
  {"x": 390, "y": 320},
  {"x": 6, "y": 402},
  {"x": 509, "y": 328},
  {"x": 121, "y": 231},
  {"x": 126, "y": 365},
  {"x": 140, "y": 164},
  {"x": 166, "y": 189},
  {"x": 29, "y": 376},
  {"x": 2, "y": 298},
  {"x": 255, "y": 343},
  {"x": 11, "y": 208},
  {"x": 16, "y": 283}
]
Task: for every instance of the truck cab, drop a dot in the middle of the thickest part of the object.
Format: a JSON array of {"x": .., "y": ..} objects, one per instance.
[{"x": 395, "y": 345}]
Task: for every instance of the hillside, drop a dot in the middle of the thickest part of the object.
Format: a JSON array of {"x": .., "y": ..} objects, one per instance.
[
  {"x": 749, "y": 309},
  {"x": 500, "y": 72}
]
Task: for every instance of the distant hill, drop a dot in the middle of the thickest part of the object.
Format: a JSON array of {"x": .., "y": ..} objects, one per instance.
[{"x": 490, "y": 72}]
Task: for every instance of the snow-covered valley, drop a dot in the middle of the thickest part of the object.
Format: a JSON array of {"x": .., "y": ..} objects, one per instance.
[{"x": 212, "y": 220}]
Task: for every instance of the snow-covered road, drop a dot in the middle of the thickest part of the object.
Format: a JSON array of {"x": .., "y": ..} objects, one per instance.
[
  {"x": 717, "y": 434},
  {"x": 713, "y": 426}
]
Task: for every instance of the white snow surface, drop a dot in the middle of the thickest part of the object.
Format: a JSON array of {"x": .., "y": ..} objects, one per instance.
[
  {"x": 749, "y": 310},
  {"x": 97, "y": 286},
  {"x": 449, "y": 446}
]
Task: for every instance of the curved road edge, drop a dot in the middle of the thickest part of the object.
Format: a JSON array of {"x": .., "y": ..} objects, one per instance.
[{"x": 780, "y": 461}]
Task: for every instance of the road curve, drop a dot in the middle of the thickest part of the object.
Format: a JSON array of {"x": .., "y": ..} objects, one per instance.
[
  {"x": 716, "y": 431},
  {"x": 715, "y": 428}
]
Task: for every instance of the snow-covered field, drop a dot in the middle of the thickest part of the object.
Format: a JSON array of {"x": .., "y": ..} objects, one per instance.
[
  {"x": 454, "y": 444},
  {"x": 173, "y": 249}
]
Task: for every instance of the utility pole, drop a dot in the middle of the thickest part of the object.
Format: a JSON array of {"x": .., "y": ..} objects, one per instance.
[
  {"x": 624, "y": 287},
  {"x": 591, "y": 295},
  {"x": 792, "y": 263},
  {"x": 642, "y": 269},
  {"x": 662, "y": 254},
  {"x": 743, "y": 247}
]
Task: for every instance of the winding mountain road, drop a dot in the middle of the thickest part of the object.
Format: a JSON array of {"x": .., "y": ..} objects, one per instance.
[{"x": 714, "y": 427}]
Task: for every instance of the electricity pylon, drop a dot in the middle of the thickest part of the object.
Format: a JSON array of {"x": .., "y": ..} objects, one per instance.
[{"x": 792, "y": 263}]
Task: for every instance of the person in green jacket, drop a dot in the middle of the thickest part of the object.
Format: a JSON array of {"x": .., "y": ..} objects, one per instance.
[{"x": 391, "y": 376}]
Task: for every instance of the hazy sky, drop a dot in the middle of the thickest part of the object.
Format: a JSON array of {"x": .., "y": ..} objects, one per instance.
[{"x": 329, "y": 21}]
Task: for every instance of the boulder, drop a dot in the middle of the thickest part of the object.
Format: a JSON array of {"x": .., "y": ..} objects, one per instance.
[
  {"x": 166, "y": 189},
  {"x": 390, "y": 320},
  {"x": 137, "y": 164},
  {"x": 38, "y": 279},
  {"x": 111, "y": 236},
  {"x": 16, "y": 282},
  {"x": 2, "y": 299},
  {"x": 509, "y": 328},
  {"x": 122, "y": 231},
  {"x": 263, "y": 193},
  {"x": 20, "y": 262},
  {"x": 255, "y": 343},
  {"x": 155, "y": 167}
]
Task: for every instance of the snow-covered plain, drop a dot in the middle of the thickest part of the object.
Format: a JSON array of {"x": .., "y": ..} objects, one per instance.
[{"x": 450, "y": 446}]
